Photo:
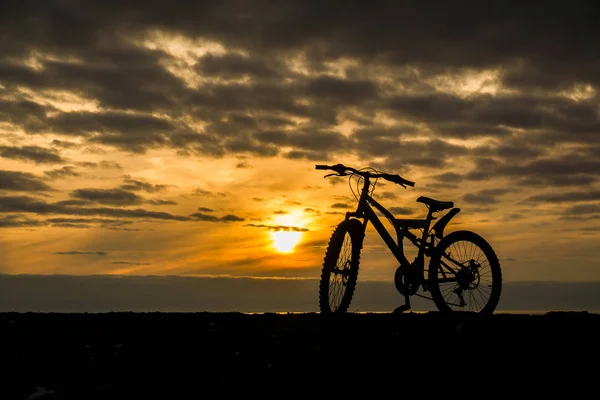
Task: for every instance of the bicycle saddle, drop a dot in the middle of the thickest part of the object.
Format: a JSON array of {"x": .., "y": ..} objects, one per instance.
[{"x": 435, "y": 205}]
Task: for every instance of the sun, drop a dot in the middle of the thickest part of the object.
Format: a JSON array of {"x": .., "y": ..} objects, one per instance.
[
  {"x": 287, "y": 230},
  {"x": 285, "y": 241}
]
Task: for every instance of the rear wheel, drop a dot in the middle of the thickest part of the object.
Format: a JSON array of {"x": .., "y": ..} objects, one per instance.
[
  {"x": 340, "y": 267},
  {"x": 464, "y": 274}
]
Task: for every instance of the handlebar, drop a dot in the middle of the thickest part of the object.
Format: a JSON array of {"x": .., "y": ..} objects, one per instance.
[{"x": 343, "y": 170}]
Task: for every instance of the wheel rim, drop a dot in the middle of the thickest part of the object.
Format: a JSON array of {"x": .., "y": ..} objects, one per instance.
[
  {"x": 467, "y": 265},
  {"x": 340, "y": 274}
]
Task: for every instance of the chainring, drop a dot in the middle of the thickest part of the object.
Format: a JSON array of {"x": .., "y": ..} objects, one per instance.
[{"x": 407, "y": 280}]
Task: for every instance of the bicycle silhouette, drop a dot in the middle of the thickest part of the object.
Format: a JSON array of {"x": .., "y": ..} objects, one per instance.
[{"x": 463, "y": 272}]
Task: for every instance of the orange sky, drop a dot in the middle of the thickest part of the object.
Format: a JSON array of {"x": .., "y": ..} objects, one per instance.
[{"x": 136, "y": 147}]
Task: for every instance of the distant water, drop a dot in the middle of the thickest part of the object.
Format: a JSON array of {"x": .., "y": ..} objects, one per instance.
[
  {"x": 497, "y": 312},
  {"x": 65, "y": 293}
]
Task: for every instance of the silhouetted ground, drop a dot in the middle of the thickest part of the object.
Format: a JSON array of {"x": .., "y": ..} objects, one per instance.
[{"x": 130, "y": 355}]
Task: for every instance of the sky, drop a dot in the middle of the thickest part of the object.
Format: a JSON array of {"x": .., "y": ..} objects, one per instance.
[{"x": 181, "y": 139}]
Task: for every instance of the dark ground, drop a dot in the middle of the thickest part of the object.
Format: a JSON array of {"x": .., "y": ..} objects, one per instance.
[{"x": 130, "y": 355}]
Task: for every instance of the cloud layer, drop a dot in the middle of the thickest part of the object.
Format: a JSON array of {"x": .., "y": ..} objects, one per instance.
[{"x": 114, "y": 115}]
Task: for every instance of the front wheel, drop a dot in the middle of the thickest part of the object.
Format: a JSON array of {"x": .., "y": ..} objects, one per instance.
[
  {"x": 340, "y": 267},
  {"x": 464, "y": 274}
]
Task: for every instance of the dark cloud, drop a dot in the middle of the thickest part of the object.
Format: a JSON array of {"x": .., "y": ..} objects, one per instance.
[
  {"x": 136, "y": 185},
  {"x": 19, "y": 221},
  {"x": 270, "y": 98},
  {"x": 400, "y": 210},
  {"x": 128, "y": 263},
  {"x": 400, "y": 154},
  {"x": 590, "y": 229},
  {"x": 65, "y": 144},
  {"x": 86, "y": 223},
  {"x": 343, "y": 198},
  {"x": 557, "y": 119},
  {"x": 202, "y": 192},
  {"x": 295, "y": 81},
  {"x": 470, "y": 36},
  {"x": 102, "y": 164},
  {"x": 205, "y": 209},
  {"x": 319, "y": 140},
  {"x": 306, "y": 155},
  {"x": 485, "y": 196},
  {"x": 211, "y": 218},
  {"x": 36, "y": 154},
  {"x": 513, "y": 217},
  {"x": 25, "y": 113},
  {"x": 162, "y": 202},
  {"x": 233, "y": 66},
  {"x": 22, "y": 181},
  {"x": 565, "y": 197},
  {"x": 84, "y": 253},
  {"x": 243, "y": 164},
  {"x": 341, "y": 91},
  {"x": 431, "y": 107},
  {"x": 316, "y": 243},
  {"x": 340, "y": 205},
  {"x": 25, "y": 204},
  {"x": 448, "y": 177},
  {"x": 555, "y": 172},
  {"x": 231, "y": 218},
  {"x": 437, "y": 186},
  {"x": 71, "y": 225},
  {"x": 113, "y": 228},
  {"x": 582, "y": 209},
  {"x": 335, "y": 180},
  {"x": 585, "y": 218},
  {"x": 117, "y": 74},
  {"x": 131, "y": 132},
  {"x": 62, "y": 172},
  {"x": 204, "y": 217},
  {"x": 387, "y": 195},
  {"x": 278, "y": 227},
  {"x": 114, "y": 197},
  {"x": 73, "y": 202},
  {"x": 570, "y": 170},
  {"x": 517, "y": 151}
]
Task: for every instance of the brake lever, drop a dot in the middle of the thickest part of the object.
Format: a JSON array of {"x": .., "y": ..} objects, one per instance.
[{"x": 336, "y": 174}]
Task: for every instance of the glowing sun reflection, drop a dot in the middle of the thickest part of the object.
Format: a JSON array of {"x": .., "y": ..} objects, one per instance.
[{"x": 285, "y": 241}]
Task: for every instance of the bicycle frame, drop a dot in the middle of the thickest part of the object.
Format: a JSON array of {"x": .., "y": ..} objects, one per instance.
[
  {"x": 446, "y": 264},
  {"x": 401, "y": 226}
]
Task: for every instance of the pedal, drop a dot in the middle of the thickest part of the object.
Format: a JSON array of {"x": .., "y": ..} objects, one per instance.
[{"x": 401, "y": 309}]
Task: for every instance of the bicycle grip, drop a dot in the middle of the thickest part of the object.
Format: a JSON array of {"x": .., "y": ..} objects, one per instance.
[
  {"x": 408, "y": 183},
  {"x": 318, "y": 166},
  {"x": 399, "y": 180}
]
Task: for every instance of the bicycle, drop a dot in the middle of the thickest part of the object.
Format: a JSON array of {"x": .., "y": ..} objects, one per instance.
[{"x": 463, "y": 273}]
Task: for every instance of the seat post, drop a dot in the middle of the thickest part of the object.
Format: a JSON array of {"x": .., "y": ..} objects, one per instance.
[{"x": 429, "y": 213}]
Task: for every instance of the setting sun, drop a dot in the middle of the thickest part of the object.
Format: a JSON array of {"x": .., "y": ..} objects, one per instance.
[{"x": 285, "y": 241}]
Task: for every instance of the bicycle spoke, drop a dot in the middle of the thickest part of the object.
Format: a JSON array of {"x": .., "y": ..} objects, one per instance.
[
  {"x": 339, "y": 275},
  {"x": 464, "y": 275}
]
